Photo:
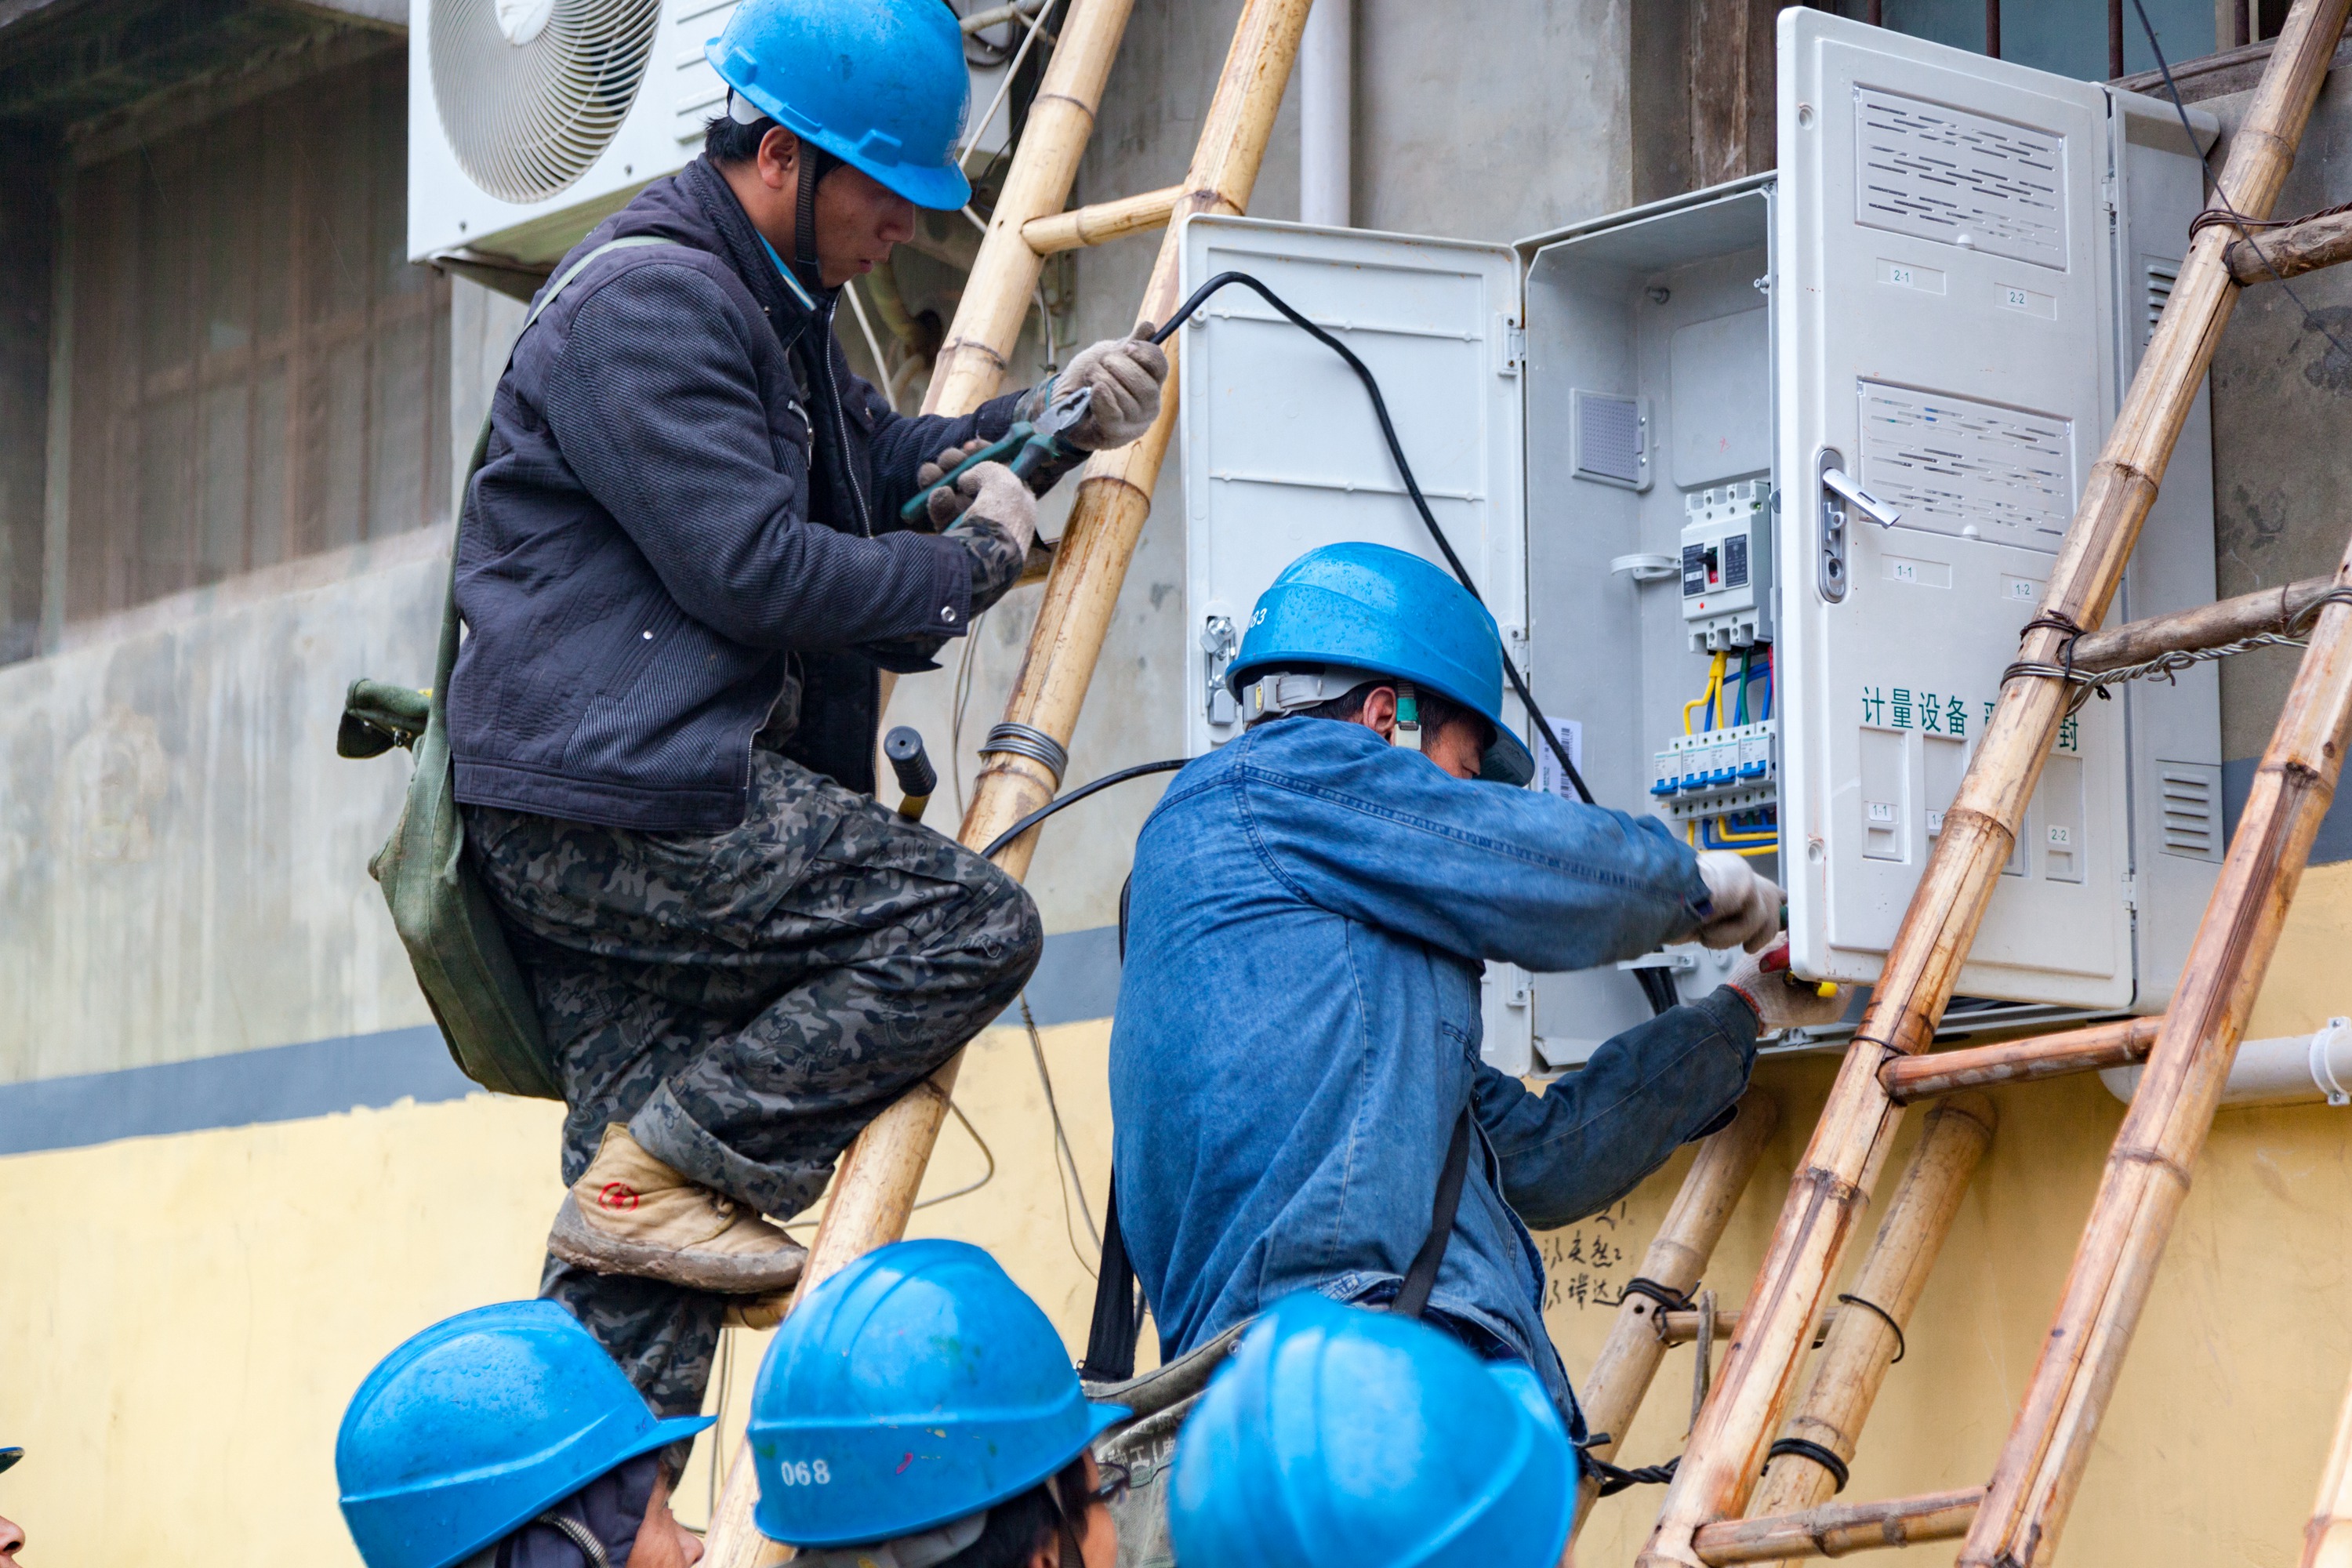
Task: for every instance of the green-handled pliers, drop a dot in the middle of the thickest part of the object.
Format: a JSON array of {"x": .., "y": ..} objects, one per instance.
[{"x": 1024, "y": 448}]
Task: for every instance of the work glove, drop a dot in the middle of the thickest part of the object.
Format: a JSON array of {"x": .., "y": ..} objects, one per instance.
[
  {"x": 1125, "y": 374},
  {"x": 998, "y": 519},
  {"x": 1744, "y": 908},
  {"x": 947, "y": 502},
  {"x": 1782, "y": 1001}
]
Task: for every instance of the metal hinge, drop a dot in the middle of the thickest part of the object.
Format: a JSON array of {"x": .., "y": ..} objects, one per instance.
[{"x": 1514, "y": 347}]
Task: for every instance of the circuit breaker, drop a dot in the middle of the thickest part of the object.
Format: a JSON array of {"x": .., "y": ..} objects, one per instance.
[{"x": 1799, "y": 451}]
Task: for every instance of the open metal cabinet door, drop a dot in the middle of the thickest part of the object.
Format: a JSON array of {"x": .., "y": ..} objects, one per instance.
[
  {"x": 1946, "y": 345},
  {"x": 1282, "y": 451}
]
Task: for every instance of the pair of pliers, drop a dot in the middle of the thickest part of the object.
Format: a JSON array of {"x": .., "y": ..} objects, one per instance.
[{"x": 1024, "y": 448}]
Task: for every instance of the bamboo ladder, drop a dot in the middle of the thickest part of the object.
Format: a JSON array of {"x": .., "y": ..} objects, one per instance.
[
  {"x": 875, "y": 1187},
  {"x": 2015, "y": 1520}
]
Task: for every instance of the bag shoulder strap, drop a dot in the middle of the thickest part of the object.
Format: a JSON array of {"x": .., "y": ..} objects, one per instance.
[
  {"x": 447, "y": 661},
  {"x": 1119, "y": 1315}
]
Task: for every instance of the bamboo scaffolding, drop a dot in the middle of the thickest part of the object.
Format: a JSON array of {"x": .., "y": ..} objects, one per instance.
[
  {"x": 2327, "y": 1539},
  {"x": 1101, "y": 222},
  {"x": 1628, "y": 1359},
  {"x": 1682, "y": 1327},
  {"x": 1924, "y": 1077},
  {"x": 873, "y": 1190},
  {"x": 2148, "y": 1172},
  {"x": 2291, "y": 252},
  {"x": 970, "y": 368},
  {"x": 1850, "y": 1142},
  {"x": 2207, "y": 625},
  {"x": 1835, "y": 1530},
  {"x": 1867, "y": 1338}
]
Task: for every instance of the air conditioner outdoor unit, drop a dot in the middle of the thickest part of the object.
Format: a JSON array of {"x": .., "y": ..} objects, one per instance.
[{"x": 529, "y": 121}]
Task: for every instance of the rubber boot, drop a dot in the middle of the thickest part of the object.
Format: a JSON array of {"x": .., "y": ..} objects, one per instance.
[{"x": 630, "y": 1213}]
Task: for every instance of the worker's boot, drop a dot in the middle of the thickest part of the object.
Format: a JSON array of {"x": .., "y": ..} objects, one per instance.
[{"x": 630, "y": 1213}]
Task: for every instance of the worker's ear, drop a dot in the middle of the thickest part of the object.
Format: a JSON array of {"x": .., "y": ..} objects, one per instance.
[
  {"x": 780, "y": 159},
  {"x": 1380, "y": 711}
]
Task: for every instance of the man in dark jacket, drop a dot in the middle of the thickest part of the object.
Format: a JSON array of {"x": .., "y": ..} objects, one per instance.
[{"x": 682, "y": 569}]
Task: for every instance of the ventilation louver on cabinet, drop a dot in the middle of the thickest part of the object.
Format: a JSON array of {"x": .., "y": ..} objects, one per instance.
[
  {"x": 1610, "y": 439},
  {"x": 1947, "y": 174},
  {"x": 529, "y": 92},
  {"x": 2157, "y": 278},
  {"x": 2191, "y": 804}
]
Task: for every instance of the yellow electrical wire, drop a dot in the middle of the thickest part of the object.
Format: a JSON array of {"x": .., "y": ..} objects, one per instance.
[{"x": 1714, "y": 685}]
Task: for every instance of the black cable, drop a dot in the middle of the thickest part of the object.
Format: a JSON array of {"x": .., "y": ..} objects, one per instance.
[
  {"x": 1404, "y": 469},
  {"x": 1075, "y": 795},
  {"x": 1657, "y": 987}
]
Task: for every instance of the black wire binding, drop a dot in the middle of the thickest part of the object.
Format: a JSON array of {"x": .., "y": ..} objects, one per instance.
[
  {"x": 1614, "y": 1478},
  {"x": 1664, "y": 1296},
  {"x": 1901, "y": 1349},
  {"x": 1657, "y": 987},
  {"x": 1814, "y": 1451},
  {"x": 1166, "y": 766}
]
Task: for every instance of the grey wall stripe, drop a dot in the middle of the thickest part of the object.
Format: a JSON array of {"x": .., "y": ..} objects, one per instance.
[
  {"x": 2335, "y": 840},
  {"x": 1077, "y": 979}
]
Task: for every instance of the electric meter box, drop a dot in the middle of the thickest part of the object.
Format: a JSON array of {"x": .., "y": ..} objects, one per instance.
[{"x": 1938, "y": 301}]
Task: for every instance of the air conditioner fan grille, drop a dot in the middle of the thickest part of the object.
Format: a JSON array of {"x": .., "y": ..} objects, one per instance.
[{"x": 525, "y": 119}]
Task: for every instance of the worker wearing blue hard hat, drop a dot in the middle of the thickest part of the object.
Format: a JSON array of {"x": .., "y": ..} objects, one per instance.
[
  {"x": 918, "y": 1410},
  {"x": 505, "y": 1437},
  {"x": 1337, "y": 1438},
  {"x": 1295, "y": 1076},
  {"x": 694, "y": 543}
]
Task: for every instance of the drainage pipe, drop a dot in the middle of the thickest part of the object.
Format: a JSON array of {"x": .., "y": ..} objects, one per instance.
[
  {"x": 2291, "y": 1071},
  {"x": 1326, "y": 114}
]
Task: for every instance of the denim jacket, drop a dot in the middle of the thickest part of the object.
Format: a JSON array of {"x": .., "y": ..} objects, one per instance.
[{"x": 1298, "y": 1030}]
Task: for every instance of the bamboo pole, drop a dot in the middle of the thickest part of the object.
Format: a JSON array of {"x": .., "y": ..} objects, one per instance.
[
  {"x": 1933, "y": 1073},
  {"x": 1850, "y": 1142},
  {"x": 1680, "y": 1328},
  {"x": 2148, "y": 1172},
  {"x": 1835, "y": 1530},
  {"x": 1628, "y": 1359},
  {"x": 875, "y": 1187},
  {"x": 1865, "y": 1340},
  {"x": 2207, "y": 625},
  {"x": 970, "y": 364},
  {"x": 1103, "y": 221},
  {"x": 2327, "y": 1539},
  {"x": 2291, "y": 252}
]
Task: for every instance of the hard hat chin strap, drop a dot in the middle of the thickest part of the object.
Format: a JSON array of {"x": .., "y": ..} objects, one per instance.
[
  {"x": 816, "y": 165},
  {"x": 1408, "y": 718}
]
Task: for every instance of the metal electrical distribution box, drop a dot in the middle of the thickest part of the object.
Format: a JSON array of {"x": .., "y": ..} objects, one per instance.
[{"x": 1936, "y": 302}]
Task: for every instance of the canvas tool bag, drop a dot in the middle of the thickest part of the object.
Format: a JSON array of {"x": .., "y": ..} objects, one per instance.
[{"x": 439, "y": 906}]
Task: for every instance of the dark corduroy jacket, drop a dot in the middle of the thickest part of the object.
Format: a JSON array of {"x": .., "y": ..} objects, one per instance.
[{"x": 688, "y": 523}]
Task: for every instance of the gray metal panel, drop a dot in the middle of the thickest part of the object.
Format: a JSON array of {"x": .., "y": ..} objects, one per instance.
[
  {"x": 1282, "y": 451},
  {"x": 1946, "y": 330}
]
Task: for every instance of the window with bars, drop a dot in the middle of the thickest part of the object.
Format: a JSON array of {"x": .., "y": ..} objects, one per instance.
[{"x": 256, "y": 372}]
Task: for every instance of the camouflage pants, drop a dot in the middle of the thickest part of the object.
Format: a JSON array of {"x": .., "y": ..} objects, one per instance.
[{"x": 746, "y": 1001}]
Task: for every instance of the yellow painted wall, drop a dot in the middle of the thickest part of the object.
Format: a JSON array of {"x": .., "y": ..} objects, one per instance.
[{"x": 183, "y": 1318}]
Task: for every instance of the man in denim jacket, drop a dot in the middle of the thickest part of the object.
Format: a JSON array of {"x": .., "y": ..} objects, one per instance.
[{"x": 1298, "y": 1024}]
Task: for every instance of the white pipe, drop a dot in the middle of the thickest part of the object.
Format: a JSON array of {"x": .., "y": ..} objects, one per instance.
[
  {"x": 1326, "y": 114},
  {"x": 2294, "y": 1070}
]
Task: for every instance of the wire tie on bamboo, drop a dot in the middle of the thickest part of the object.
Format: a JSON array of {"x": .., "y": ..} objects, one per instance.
[
  {"x": 1665, "y": 1296},
  {"x": 1030, "y": 741},
  {"x": 1901, "y": 1348},
  {"x": 1616, "y": 1478},
  {"x": 1803, "y": 1449},
  {"x": 2170, "y": 664}
]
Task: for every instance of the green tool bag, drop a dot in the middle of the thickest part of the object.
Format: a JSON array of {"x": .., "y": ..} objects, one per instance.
[{"x": 439, "y": 906}]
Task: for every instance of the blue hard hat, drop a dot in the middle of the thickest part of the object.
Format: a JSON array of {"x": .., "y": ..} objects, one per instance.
[
  {"x": 917, "y": 1386},
  {"x": 1338, "y": 1436},
  {"x": 1367, "y": 606},
  {"x": 477, "y": 1426},
  {"x": 879, "y": 84},
  {"x": 8, "y": 1456}
]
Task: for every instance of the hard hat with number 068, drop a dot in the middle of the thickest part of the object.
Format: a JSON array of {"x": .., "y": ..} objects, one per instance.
[{"x": 917, "y": 1386}]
